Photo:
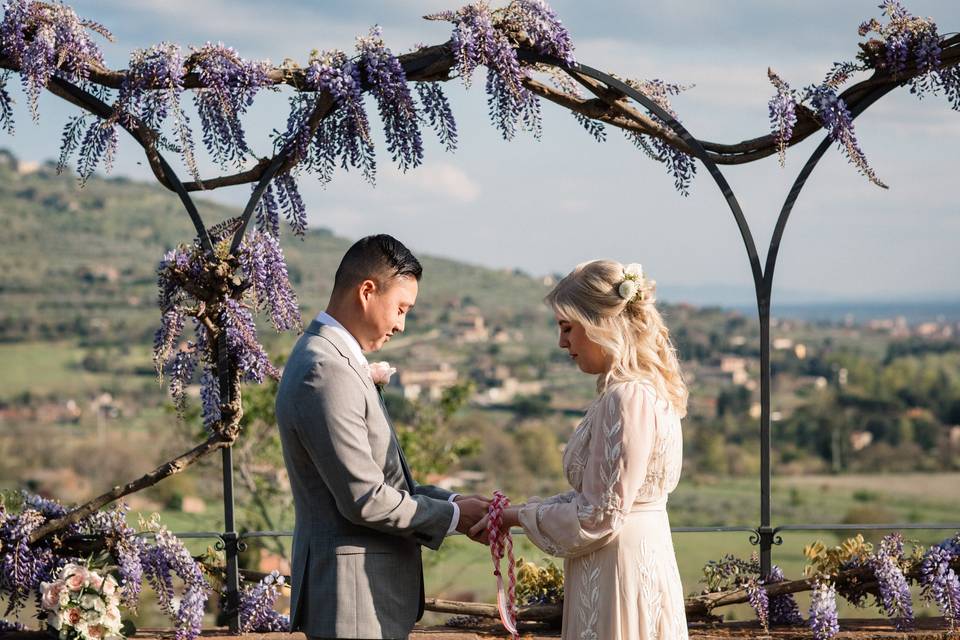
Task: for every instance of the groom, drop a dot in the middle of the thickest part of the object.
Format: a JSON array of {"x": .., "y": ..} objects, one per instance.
[{"x": 360, "y": 516}]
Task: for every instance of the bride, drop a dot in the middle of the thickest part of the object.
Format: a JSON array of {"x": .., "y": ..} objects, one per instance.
[{"x": 620, "y": 570}]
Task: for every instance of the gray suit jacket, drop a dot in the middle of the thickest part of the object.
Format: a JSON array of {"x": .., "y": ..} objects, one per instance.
[{"x": 360, "y": 517}]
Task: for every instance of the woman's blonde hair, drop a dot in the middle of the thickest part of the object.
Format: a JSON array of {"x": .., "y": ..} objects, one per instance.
[{"x": 632, "y": 331}]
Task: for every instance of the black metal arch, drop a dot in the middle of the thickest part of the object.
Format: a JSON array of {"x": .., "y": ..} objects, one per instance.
[{"x": 765, "y": 535}]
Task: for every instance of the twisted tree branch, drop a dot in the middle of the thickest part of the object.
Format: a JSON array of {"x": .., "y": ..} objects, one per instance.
[{"x": 213, "y": 443}]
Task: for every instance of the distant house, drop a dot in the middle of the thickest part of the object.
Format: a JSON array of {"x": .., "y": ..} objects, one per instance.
[
  {"x": 860, "y": 440},
  {"x": 509, "y": 389},
  {"x": 416, "y": 381},
  {"x": 471, "y": 328},
  {"x": 782, "y": 344},
  {"x": 464, "y": 480}
]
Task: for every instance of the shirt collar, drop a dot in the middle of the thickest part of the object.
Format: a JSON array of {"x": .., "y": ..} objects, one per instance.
[{"x": 325, "y": 318}]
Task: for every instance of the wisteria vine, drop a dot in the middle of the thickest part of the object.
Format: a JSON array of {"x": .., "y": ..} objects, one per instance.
[
  {"x": 24, "y": 567},
  {"x": 907, "y": 47}
]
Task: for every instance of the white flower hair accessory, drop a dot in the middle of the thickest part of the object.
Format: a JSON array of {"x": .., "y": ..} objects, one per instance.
[{"x": 630, "y": 289}]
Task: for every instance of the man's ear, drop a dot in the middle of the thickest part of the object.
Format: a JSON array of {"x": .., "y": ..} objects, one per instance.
[{"x": 365, "y": 291}]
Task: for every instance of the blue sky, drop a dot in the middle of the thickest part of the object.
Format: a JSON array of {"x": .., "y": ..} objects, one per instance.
[{"x": 545, "y": 206}]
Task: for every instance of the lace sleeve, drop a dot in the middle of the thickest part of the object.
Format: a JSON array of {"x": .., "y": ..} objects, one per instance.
[{"x": 622, "y": 439}]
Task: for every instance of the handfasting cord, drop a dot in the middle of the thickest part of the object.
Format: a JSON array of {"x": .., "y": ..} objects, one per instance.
[{"x": 501, "y": 542}]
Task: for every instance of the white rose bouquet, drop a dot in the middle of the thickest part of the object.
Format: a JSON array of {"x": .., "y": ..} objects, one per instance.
[{"x": 82, "y": 605}]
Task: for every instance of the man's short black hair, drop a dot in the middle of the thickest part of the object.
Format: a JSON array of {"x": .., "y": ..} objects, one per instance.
[{"x": 379, "y": 258}]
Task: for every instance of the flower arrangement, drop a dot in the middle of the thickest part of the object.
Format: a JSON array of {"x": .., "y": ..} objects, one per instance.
[{"x": 82, "y": 604}]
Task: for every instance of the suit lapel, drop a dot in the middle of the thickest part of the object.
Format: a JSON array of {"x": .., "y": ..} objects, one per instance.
[
  {"x": 333, "y": 337},
  {"x": 408, "y": 476}
]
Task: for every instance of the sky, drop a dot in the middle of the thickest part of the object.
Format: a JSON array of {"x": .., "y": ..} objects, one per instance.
[{"x": 544, "y": 206}]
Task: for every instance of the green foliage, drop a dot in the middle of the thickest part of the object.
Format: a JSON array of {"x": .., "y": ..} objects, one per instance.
[{"x": 426, "y": 435}]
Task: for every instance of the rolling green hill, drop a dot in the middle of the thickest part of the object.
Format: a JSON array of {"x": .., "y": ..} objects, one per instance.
[{"x": 81, "y": 262}]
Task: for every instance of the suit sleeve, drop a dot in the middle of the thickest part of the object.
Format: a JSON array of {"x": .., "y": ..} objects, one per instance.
[
  {"x": 431, "y": 491},
  {"x": 333, "y": 430}
]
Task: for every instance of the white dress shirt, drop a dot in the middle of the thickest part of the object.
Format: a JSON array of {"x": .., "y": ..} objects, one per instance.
[{"x": 326, "y": 319}]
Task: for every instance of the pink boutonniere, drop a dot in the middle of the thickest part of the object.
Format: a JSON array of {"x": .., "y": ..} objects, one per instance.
[{"x": 380, "y": 373}]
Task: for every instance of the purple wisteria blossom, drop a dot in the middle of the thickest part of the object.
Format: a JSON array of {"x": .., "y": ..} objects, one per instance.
[
  {"x": 835, "y": 117},
  {"x": 893, "y": 596},
  {"x": 59, "y": 44},
  {"x": 823, "y": 611},
  {"x": 477, "y": 41},
  {"x": 125, "y": 546},
  {"x": 939, "y": 581},
  {"x": 230, "y": 85},
  {"x": 388, "y": 83},
  {"x": 257, "y": 614},
  {"x": 783, "y": 113},
  {"x": 437, "y": 112},
  {"x": 343, "y": 137},
  {"x": 783, "y": 608},
  {"x": 759, "y": 601},
  {"x": 261, "y": 258},
  {"x": 168, "y": 557},
  {"x": 681, "y": 166},
  {"x": 539, "y": 23},
  {"x": 22, "y": 566}
]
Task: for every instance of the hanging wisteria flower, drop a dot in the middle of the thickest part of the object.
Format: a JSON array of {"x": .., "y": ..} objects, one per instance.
[
  {"x": 257, "y": 614},
  {"x": 388, "y": 83},
  {"x": 168, "y": 557},
  {"x": 59, "y": 43},
  {"x": 835, "y": 117},
  {"x": 125, "y": 546},
  {"x": 262, "y": 261},
  {"x": 783, "y": 607},
  {"x": 783, "y": 113},
  {"x": 537, "y": 22},
  {"x": 759, "y": 601},
  {"x": 343, "y": 135},
  {"x": 437, "y": 112},
  {"x": 230, "y": 85},
  {"x": 477, "y": 41},
  {"x": 823, "y": 611},
  {"x": 150, "y": 92},
  {"x": 894, "y": 593},
  {"x": 939, "y": 581},
  {"x": 22, "y": 567},
  {"x": 681, "y": 166}
]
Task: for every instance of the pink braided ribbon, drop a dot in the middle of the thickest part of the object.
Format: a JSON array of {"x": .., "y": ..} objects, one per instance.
[{"x": 501, "y": 542}]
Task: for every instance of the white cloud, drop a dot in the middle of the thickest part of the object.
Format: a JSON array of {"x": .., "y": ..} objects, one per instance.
[{"x": 444, "y": 180}]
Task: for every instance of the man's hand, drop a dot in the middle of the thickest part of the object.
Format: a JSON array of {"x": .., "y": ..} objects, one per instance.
[
  {"x": 475, "y": 496},
  {"x": 511, "y": 518},
  {"x": 472, "y": 510}
]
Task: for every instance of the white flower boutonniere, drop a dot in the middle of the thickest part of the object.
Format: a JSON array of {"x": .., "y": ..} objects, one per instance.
[{"x": 381, "y": 372}]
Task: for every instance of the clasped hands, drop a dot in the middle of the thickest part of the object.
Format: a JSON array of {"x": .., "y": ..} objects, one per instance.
[{"x": 475, "y": 516}]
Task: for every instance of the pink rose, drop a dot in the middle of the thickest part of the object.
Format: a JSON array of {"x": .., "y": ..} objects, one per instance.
[
  {"x": 109, "y": 585},
  {"x": 95, "y": 631},
  {"x": 51, "y": 595},
  {"x": 95, "y": 581},
  {"x": 380, "y": 372},
  {"x": 76, "y": 580},
  {"x": 74, "y": 616}
]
